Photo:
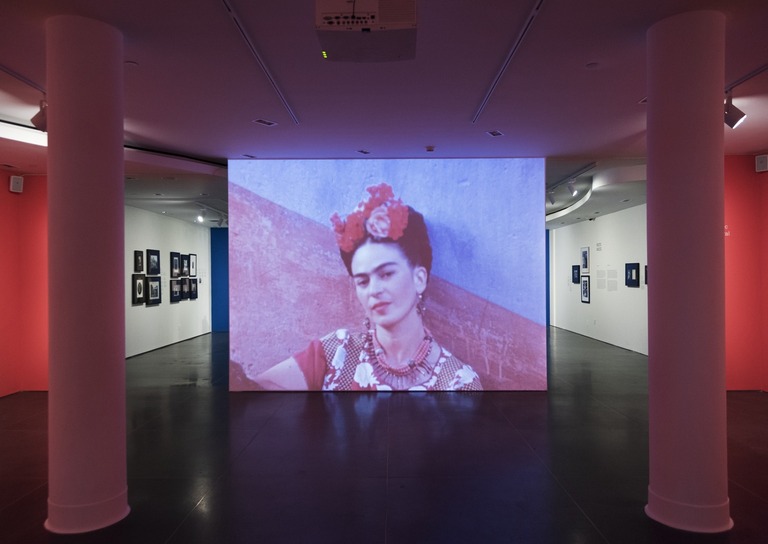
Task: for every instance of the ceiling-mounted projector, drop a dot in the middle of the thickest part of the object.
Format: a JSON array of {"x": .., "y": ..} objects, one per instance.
[{"x": 366, "y": 30}]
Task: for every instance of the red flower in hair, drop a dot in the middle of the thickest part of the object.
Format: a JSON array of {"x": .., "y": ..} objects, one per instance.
[{"x": 382, "y": 216}]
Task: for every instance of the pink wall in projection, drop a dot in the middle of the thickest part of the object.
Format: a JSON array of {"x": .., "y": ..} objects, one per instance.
[{"x": 288, "y": 286}]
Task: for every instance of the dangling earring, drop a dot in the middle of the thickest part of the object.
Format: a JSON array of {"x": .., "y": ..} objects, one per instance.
[
  {"x": 421, "y": 308},
  {"x": 367, "y": 337}
]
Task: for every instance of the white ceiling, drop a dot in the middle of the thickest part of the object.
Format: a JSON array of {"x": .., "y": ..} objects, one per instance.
[{"x": 571, "y": 92}]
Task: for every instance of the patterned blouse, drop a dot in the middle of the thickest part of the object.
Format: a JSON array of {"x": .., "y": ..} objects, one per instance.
[{"x": 339, "y": 362}]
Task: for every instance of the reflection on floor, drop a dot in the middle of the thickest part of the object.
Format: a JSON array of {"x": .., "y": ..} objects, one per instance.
[{"x": 206, "y": 465}]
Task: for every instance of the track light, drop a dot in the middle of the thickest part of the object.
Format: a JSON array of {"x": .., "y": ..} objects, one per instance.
[
  {"x": 40, "y": 119},
  {"x": 551, "y": 195},
  {"x": 201, "y": 216},
  {"x": 572, "y": 188},
  {"x": 733, "y": 115}
]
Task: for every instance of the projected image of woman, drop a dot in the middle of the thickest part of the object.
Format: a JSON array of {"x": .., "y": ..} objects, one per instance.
[{"x": 385, "y": 248}]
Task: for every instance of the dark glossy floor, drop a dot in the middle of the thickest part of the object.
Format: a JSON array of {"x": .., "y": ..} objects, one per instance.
[{"x": 206, "y": 465}]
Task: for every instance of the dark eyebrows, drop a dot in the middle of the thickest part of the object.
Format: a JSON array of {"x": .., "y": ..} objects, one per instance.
[{"x": 375, "y": 270}]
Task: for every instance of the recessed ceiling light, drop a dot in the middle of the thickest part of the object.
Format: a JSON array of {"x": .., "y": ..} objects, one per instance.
[
  {"x": 430, "y": 148},
  {"x": 626, "y": 200},
  {"x": 363, "y": 151},
  {"x": 247, "y": 156},
  {"x": 264, "y": 122},
  {"x": 495, "y": 133},
  {"x": 158, "y": 194},
  {"x": 592, "y": 65}
]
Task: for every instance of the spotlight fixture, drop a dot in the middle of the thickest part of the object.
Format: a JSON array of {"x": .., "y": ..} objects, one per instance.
[
  {"x": 201, "y": 216},
  {"x": 551, "y": 195},
  {"x": 40, "y": 119},
  {"x": 572, "y": 188},
  {"x": 733, "y": 115}
]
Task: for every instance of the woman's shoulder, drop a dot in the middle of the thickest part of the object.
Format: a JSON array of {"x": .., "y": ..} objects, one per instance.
[
  {"x": 346, "y": 337},
  {"x": 449, "y": 360},
  {"x": 459, "y": 375}
]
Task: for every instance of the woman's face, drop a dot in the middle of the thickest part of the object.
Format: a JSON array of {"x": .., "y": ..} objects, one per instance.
[{"x": 387, "y": 286}]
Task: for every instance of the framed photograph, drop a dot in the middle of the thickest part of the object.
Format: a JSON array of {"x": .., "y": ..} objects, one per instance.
[
  {"x": 585, "y": 260},
  {"x": 185, "y": 265},
  {"x": 137, "y": 288},
  {"x": 176, "y": 290},
  {"x": 175, "y": 264},
  {"x": 153, "y": 290},
  {"x": 585, "y": 289},
  {"x": 153, "y": 262},
  {"x": 192, "y": 265},
  {"x": 192, "y": 289},
  {"x": 632, "y": 274},
  {"x": 575, "y": 274},
  {"x": 185, "y": 288},
  {"x": 138, "y": 261}
]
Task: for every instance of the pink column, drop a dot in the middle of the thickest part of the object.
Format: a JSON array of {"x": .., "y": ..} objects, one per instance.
[
  {"x": 86, "y": 428},
  {"x": 686, "y": 293}
]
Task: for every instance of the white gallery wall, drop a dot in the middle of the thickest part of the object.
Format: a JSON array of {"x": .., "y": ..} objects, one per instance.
[
  {"x": 616, "y": 314},
  {"x": 152, "y": 327}
]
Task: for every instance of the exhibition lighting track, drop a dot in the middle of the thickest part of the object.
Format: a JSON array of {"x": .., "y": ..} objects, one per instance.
[
  {"x": 21, "y": 78},
  {"x": 255, "y": 52},
  {"x": 747, "y": 77},
  {"x": 572, "y": 176},
  {"x": 518, "y": 42}
]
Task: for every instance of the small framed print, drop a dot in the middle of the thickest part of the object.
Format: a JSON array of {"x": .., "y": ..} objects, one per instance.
[
  {"x": 575, "y": 274},
  {"x": 585, "y": 289},
  {"x": 175, "y": 264},
  {"x": 192, "y": 265},
  {"x": 185, "y": 289},
  {"x": 153, "y": 262},
  {"x": 176, "y": 290},
  {"x": 585, "y": 260},
  {"x": 192, "y": 289},
  {"x": 153, "y": 291},
  {"x": 138, "y": 261},
  {"x": 137, "y": 289},
  {"x": 185, "y": 265},
  {"x": 632, "y": 274}
]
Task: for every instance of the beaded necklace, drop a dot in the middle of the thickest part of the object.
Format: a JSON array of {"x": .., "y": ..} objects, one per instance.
[{"x": 416, "y": 372}]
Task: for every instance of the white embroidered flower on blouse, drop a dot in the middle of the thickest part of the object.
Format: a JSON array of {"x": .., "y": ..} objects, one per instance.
[
  {"x": 464, "y": 376},
  {"x": 430, "y": 383},
  {"x": 341, "y": 352},
  {"x": 338, "y": 358},
  {"x": 364, "y": 375}
]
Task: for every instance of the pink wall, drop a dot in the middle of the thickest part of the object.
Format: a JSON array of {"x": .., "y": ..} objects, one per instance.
[
  {"x": 763, "y": 374},
  {"x": 24, "y": 275},
  {"x": 746, "y": 258}
]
